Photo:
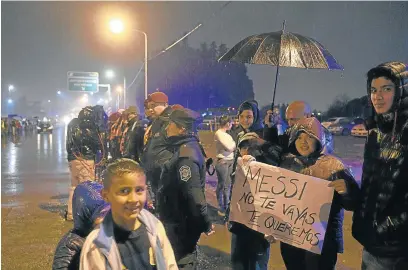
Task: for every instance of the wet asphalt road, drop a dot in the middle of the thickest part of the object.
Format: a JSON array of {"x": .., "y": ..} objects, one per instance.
[{"x": 34, "y": 191}]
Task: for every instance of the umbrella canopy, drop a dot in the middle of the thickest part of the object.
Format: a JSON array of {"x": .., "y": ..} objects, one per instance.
[
  {"x": 295, "y": 51},
  {"x": 282, "y": 49}
]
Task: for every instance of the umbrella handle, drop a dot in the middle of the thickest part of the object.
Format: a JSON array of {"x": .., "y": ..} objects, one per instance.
[
  {"x": 276, "y": 84},
  {"x": 277, "y": 67}
]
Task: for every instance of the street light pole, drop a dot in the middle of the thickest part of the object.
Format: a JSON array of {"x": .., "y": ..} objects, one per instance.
[
  {"x": 124, "y": 92},
  {"x": 116, "y": 26},
  {"x": 145, "y": 61}
]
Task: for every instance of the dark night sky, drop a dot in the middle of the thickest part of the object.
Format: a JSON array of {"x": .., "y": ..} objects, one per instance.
[{"x": 41, "y": 41}]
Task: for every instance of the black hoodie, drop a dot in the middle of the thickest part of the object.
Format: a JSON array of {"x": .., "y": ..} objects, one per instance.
[
  {"x": 380, "y": 221},
  {"x": 256, "y": 127}
]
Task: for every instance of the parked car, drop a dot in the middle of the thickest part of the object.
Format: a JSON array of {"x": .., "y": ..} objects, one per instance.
[
  {"x": 203, "y": 126},
  {"x": 359, "y": 131},
  {"x": 332, "y": 121},
  {"x": 344, "y": 126}
]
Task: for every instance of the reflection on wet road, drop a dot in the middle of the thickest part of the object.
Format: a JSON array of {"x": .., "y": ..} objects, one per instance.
[
  {"x": 28, "y": 158},
  {"x": 34, "y": 191}
]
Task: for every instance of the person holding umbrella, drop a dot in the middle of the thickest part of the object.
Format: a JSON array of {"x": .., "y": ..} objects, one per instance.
[
  {"x": 242, "y": 237},
  {"x": 296, "y": 111}
]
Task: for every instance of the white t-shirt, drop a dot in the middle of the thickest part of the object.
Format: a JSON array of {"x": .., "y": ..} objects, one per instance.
[{"x": 224, "y": 145}]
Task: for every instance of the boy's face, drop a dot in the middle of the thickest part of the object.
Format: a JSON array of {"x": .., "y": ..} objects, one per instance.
[
  {"x": 246, "y": 119},
  {"x": 305, "y": 144},
  {"x": 127, "y": 197},
  {"x": 382, "y": 94}
]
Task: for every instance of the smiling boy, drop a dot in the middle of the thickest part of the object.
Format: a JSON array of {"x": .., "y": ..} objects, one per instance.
[{"x": 129, "y": 237}]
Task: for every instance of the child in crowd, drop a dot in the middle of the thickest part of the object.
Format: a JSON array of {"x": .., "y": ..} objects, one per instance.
[
  {"x": 249, "y": 248},
  {"x": 129, "y": 237},
  {"x": 89, "y": 209},
  {"x": 305, "y": 156}
]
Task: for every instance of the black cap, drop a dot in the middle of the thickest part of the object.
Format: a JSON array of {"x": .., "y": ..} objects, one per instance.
[{"x": 184, "y": 117}]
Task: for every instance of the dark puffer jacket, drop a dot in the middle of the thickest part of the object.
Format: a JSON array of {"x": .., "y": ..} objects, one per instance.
[
  {"x": 83, "y": 139},
  {"x": 67, "y": 254},
  {"x": 88, "y": 205},
  {"x": 325, "y": 167},
  {"x": 380, "y": 222}
]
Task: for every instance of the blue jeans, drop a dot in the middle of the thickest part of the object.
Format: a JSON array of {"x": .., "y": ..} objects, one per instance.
[
  {"x": 224, "y": 170},
  {"x": 371, "y": 262},
  {"x": 247, "y": 252}
]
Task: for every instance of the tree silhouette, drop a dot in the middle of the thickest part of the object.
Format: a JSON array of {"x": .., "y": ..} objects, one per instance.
[{"x": 195, "y": 79}]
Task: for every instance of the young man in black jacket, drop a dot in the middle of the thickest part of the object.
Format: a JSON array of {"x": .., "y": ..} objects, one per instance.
[
  {"x": 380, "y": 220},
  {"x": 250, "y": 123}
]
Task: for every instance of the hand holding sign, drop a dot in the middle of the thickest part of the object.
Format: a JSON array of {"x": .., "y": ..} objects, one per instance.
[
  {"x": 211, "y": 231},
  {"x": 290, "y": 207},
  {"x": 339, "y": 186}
]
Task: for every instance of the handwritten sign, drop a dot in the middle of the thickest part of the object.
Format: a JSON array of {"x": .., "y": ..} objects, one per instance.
[{"x": 292, "y": 207}]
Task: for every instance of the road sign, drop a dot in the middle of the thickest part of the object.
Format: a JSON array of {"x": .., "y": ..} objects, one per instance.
[{"x": 83, "y": 81}]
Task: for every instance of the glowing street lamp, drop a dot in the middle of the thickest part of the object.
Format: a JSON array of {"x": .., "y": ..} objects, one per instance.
[
  {"x": 11, "y": 87},
  {"x": 49, "y": 101},
  {"x": 110, "y": 74},
  {"x": 84, "y": 98},
  {"x": 10, "y": 101},
  {"x": 59, "y": 92},
  {"x": 116, "y": 26}
]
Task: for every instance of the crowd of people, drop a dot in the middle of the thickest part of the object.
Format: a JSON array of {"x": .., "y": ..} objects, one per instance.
[{"x": 149, "y": 209}]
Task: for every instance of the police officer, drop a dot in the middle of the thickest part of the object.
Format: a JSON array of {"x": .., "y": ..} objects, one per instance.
[
  {"x": 181, "y": 203},
  {"x": 155, "y": 152}
]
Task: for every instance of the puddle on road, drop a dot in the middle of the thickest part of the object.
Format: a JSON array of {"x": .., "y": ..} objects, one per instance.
[{"x": 12, "y": 204}]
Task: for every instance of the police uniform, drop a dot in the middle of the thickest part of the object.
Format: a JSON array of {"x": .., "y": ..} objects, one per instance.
[
  {"x": 155, "y": 152},
  {"x": 181, "y": 203}
]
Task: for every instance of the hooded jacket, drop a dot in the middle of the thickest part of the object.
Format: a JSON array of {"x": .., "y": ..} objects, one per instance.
[
  {"x": 325, "y": 167},
  {"x": 83, "y": 139},
  {"x": 257, "y": 125},
  {"x": 380, "y": 221},
  {"x": 88, "y": 205},
  {"x": 269, "y": 153}
]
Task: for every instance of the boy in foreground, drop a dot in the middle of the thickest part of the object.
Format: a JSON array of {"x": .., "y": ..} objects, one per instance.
[{"x": 130, "y": 237}]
